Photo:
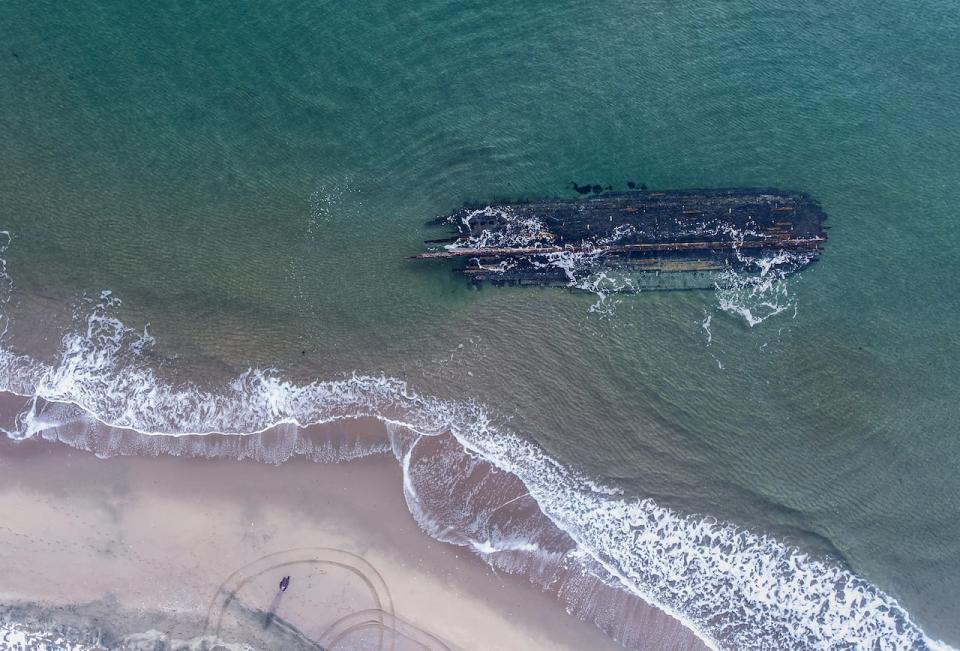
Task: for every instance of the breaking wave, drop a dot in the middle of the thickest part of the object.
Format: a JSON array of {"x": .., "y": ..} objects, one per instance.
[{"x": 471, "y": 482}]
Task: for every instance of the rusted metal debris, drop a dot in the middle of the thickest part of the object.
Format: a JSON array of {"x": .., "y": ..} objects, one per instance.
[{"x": 654, "y": 235}]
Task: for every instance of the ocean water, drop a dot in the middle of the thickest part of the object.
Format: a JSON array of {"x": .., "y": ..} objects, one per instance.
[{"x": 210, "y": 208}]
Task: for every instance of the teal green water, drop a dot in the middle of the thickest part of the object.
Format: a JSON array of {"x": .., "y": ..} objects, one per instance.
[{"x": 250, "y": 180}]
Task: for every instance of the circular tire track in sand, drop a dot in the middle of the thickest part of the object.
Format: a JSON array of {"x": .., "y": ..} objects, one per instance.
[
  {"x": 356, "y": 565},
  {"x": 372, "y": 618},
  {"x": 380, "y": 618}
]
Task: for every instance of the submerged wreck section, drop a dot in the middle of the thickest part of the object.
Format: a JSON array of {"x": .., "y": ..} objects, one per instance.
[{"x": 656, "y": 240}]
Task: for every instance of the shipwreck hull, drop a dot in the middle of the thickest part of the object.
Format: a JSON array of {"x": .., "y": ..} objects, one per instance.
[{"x": 654, "y": 240}]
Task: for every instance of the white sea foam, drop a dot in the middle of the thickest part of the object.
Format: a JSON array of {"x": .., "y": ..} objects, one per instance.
[
  {"x": 15, "y": 636},
  {"x": 736, "y": 588},
  {"x": 6, "y": 282},
  {"x": 18, "y": 637},
  {"x": 761, "y": 290},
  {"x": 511, "y": 230}
]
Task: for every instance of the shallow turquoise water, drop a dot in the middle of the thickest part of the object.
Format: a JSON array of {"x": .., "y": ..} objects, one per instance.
[{"x": 250, "y": 180}]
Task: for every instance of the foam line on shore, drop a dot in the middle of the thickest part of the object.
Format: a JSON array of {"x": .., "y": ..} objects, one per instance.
[{"x": 735, "y": 588}]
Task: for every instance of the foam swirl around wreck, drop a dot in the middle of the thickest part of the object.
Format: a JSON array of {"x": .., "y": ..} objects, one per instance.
[{"x": 470, "y": 482}]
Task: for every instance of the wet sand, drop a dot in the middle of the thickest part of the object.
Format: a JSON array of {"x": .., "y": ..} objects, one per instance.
[{"x": 195, "y": 547}]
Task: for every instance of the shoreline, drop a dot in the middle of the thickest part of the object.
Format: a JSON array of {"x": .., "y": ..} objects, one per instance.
[
  {"x": 498, "y": 498},
  {"x": 97, "y": 523}
]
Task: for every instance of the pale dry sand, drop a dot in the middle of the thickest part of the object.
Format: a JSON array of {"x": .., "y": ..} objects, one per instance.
[{"x": 163, "y": 534}]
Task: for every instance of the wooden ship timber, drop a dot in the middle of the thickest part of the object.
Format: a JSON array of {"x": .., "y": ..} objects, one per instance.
[{"x": 660, "y": 240}]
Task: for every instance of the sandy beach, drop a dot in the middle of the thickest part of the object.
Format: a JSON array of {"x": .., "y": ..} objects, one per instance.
[{"x": 187, "y": 548}]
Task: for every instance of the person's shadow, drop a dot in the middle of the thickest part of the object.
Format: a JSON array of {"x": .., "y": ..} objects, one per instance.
[{"x": 271, "y": 614}]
